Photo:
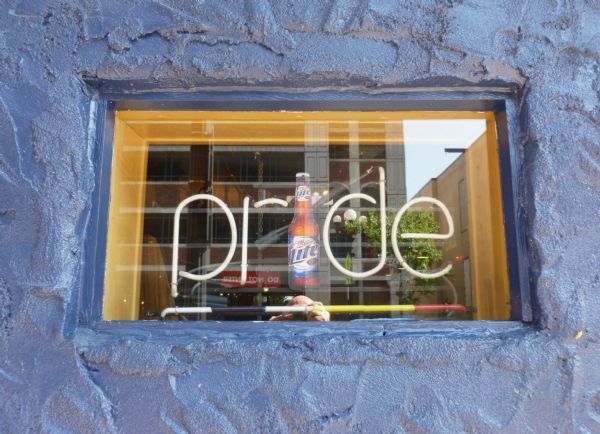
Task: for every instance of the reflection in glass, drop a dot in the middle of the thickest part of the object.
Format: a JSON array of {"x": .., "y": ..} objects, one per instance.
[{"x": 452, "y": 160}]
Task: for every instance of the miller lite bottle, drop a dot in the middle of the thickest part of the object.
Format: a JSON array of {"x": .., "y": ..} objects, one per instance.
[{"x": 303, "y": 240}]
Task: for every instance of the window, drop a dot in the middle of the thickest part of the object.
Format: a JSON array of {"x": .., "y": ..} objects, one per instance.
[{"x": 321, "y": 230}]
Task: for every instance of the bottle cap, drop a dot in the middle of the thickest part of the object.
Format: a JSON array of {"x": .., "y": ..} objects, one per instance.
[{"x": 299, "y": 174}]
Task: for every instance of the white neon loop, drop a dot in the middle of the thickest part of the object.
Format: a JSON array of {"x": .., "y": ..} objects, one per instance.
[
  {"x": 396, "y": 249},
  {"x": 270, "y": 201},
  {"x": 382, "y": 213},
  {"x": 245, "y": 242},
  {"x": 267, "y": 309},
  {"x": 200, "y": 277},
  {"x": 260, "y": 203}
]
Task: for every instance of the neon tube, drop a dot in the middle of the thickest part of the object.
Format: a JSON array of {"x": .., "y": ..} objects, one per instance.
[
  {"x": 383, "y": 226},
  {"x": 396, "y": 249},
  {"x": 318, "y": 308},
  {"x": 326, "y": 245},
  {"x": 175, "y": 262}
]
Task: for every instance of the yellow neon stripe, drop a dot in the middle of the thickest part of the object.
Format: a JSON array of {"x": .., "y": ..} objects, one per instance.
[{"x": 371, "y": 308}]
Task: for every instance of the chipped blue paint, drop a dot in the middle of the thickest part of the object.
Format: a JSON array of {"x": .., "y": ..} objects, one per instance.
[{"x": 478, "y": 377}]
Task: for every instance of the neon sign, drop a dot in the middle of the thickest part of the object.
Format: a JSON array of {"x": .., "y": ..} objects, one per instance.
[{"x": 325, "y": 232}]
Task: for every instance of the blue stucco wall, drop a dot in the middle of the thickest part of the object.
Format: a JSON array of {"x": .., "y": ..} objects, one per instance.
[{"x": 477, "y": 377}]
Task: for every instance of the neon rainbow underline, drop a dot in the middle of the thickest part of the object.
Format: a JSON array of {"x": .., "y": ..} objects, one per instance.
[{"x": 339, "y": 308}]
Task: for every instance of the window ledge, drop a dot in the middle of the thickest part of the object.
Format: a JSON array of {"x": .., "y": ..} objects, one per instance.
[{"x": 176, "y": 333}]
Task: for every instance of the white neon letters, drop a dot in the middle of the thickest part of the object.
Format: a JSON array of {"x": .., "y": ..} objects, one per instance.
[
  {"x": 216, "y": 271},
  {"x": 260, "y": 203},
  {"x": 421, "y": 236},
  {"x": 326, "y": 245},
  {"x": 382, "y": 216}
]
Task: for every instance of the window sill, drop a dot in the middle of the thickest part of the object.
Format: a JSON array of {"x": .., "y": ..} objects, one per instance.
[{"x": 178, "y": 333}]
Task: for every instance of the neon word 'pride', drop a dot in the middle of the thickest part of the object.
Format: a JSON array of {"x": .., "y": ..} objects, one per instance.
[{"x": 326, "y": 245}]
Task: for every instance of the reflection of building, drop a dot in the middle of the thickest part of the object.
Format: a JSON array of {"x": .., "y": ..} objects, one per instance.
[
  {"x": 469, "y": 188},
  {"x": 360, "y": 163},
  {"x": 449, "y": 187},
  {"x": 340, "y": 159}
]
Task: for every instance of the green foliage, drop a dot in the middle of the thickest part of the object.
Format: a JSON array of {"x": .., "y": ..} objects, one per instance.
[
  {"x": 420, "y": 254},
  {"x": 348, "y": 265}
]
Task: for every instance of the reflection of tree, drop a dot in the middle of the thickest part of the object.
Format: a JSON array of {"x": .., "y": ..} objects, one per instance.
[{"x": 420, "y": 254}]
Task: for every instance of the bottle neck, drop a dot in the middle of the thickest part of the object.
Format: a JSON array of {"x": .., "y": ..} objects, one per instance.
[
  {"x": 303, "y": 202},
  {"x": 303, "y": 207}
]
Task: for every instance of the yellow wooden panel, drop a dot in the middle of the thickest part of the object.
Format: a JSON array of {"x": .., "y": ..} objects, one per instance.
[
  {"x": 303, "y": 116},
  {"x": 282, "y": 128},
  {"x": 125, "y": 225},
  {"x": 501, "y": 293},
  {"x": 487, "y": 248}
]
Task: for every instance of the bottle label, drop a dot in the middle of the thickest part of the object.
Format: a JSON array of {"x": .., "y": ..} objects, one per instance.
[
  {"x": 304, "y": 254},
  {"x": 302, "y": 193}
]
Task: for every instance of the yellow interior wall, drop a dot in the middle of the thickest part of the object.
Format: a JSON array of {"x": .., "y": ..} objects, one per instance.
[
  {"x": 125, "y": 228},
  {"x": 265, "y": 128},
  {"x": 489, "y": 274}
]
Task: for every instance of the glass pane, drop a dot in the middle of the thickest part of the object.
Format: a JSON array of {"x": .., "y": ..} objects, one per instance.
[{"x": 320, "y": 256}]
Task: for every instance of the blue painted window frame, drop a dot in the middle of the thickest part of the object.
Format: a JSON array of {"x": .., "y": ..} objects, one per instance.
[{"x": 86, "y": 313}]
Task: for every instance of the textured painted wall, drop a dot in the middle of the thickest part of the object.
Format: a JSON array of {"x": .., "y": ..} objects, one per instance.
[{"x": 433, "y": 378}]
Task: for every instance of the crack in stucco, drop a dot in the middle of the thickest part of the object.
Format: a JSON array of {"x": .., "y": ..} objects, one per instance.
[{"x": 6, "y": 306}]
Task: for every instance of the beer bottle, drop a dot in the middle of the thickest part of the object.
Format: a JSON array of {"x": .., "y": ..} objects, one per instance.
[{"x": 303, "y": 240}]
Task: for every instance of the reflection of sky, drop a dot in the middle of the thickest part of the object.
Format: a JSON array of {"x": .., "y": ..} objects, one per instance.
[{"x": 424, "y": 143}]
